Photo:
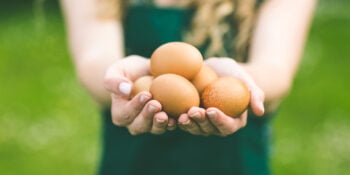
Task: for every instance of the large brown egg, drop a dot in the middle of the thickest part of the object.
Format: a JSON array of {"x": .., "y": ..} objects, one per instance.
[
  {"x": 204, "y": 77},
  {"x": 176, "y": 58},
  {"x": 228, "y": 94},
  {"x": 141, "y": 84},
  {"x": 176, "y": 94}
]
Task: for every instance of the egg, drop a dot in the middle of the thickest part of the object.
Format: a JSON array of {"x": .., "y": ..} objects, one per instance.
[
  {"x": 141, "y": 84},
  {"x": 176, "y": 58},
  {"x": 204, "y": 77},
  {"x": 175, "y": 93},
  {"x": 228, "y": 94}
]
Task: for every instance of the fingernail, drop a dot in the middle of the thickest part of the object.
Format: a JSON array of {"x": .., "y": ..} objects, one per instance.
[
  {"x": 196, "y": 114},
  {"x": 143, "y": 98},
  {"x": 160, "y": 120},
  {"x": 211, "y": 114},
  {"x": 125, "y": 88},
  {"x": 151, "y": 108}
]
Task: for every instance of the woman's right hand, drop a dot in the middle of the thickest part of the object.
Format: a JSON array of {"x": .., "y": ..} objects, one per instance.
[{"x": 140, "y": 114}]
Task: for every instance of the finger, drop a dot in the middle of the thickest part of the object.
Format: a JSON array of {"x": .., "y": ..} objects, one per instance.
[
  {"x": 119, "y": 76},
  {"x": 139, "y": 63},
  {"x": 257, "y": 95},
  {"x": 144, "y": 120},
  {"x": 257, "y": 101},
  {"x": 186, "y": 124},
  {"x": 136, "y": 104},
  {"x": 198, "y": 116},
  {"x": 124, "y": 112},
  {"x": 160, "y": 123},
  {"x": 171, "y": 124},
  {"x": 226, "y": 125},
  {"x": 116, "y": 82},
  {"x": 242, "y": 119}
]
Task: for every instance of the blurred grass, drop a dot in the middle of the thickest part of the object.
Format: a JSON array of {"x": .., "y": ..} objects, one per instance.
[
  {"x": 312, "y": 132},
  {"x": 49, "y": 124}
]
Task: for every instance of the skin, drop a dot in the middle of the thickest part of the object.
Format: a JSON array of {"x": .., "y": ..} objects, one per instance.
[{"x": 106, "y": 72}]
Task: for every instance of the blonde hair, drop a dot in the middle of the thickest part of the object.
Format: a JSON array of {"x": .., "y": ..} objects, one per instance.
[{"x": 211, "y": 21}]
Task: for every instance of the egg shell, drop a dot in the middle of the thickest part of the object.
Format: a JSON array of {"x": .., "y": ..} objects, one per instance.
[
  {"x": 204, "y": 77},
  {"x": 228, "y": 94},
  {"x": 175, "y": 93},
  {"x": 141, "y": 84},
  {"x": 177, "y": 58}
]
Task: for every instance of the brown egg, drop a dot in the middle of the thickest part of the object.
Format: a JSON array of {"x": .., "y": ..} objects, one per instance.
[
  {"x": 204, "y": 77},
  {"x": 228, "y": 94},
  {"x": 176, "y": 58},
  {"x": 176, "y": 94},
  {"x": 141, "y": 84}
]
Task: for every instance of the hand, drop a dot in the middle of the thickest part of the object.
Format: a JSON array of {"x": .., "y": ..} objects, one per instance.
[
  {"x": 139, "y": 114},
  {"x": 212, "y": 121}
]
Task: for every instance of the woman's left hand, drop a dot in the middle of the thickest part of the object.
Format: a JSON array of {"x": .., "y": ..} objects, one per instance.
[{"x": 212, "y": 121}]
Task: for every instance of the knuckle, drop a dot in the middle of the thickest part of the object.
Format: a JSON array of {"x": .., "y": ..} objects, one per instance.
[
  {"x": 133, "y": 132},
  {"x": 229, "y": 131},
  {"x": 205, "y": 132},
  {"x": 127, "y": 118},
  {"x": 108, "y": 82},
  {"x": 116, "y": 121},
  {"x": 232, "y": 130},
  {"x": 141, "y": 130},
  {"x": 210, "y": 131},
  {"x": 136, "y": 131},
  {"x": 200, "y": 118},
  {"x": 121, "y": 120},
  {"x": 191, "y": 125},
  {"x": 161, "y": 125},
  {"x": 221, "y": 125}
]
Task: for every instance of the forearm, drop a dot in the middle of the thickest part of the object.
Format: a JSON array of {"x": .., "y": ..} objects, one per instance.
[
  {"x": 277, "y": 45},
  {"x": 94, "y": 44},
  {"x": 92, "y": 61},
  {"x": 90, "y": 72}
]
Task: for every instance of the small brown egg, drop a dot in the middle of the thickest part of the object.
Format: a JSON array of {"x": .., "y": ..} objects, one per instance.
[
  {"x": 204, "y": 77},
  {"x": 176, "y": 58},
  {"x": 141, "y": 84},
  {"x": 228, "y": 94},
  {"x": 176, "y": 94}
]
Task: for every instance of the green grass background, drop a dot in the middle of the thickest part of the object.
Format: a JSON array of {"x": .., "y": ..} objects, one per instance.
[{"x": 49, "y": 124}]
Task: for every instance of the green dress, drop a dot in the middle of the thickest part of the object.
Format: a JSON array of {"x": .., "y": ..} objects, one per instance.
[{"x": 176, "y": 152}]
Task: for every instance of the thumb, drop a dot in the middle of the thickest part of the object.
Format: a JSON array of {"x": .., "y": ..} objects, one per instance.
[
  {"x": 115, "y": 82},
  {"x": 257, "y": 101}
]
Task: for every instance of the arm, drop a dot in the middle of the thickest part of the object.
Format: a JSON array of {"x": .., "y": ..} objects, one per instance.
[
  {"x": 276, "y": 50},
  {"x": 277, "y": 46},
  {"x": 94, "y": 43},
  {"x": 97, "y": 49}
]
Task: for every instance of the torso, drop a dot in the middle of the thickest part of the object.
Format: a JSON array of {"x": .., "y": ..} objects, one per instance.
[{"x": 176, "y": 152}]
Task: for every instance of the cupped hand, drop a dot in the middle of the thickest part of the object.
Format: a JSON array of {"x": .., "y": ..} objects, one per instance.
[
  {"x": 212, "y": 121},
  {"x": 140, "y": 114}
]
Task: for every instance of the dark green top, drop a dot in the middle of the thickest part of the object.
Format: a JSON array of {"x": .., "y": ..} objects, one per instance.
[{"x": 177, "y": 153}]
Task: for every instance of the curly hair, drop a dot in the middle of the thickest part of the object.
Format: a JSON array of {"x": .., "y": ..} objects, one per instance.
[{"x": 209, "y": 23}]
